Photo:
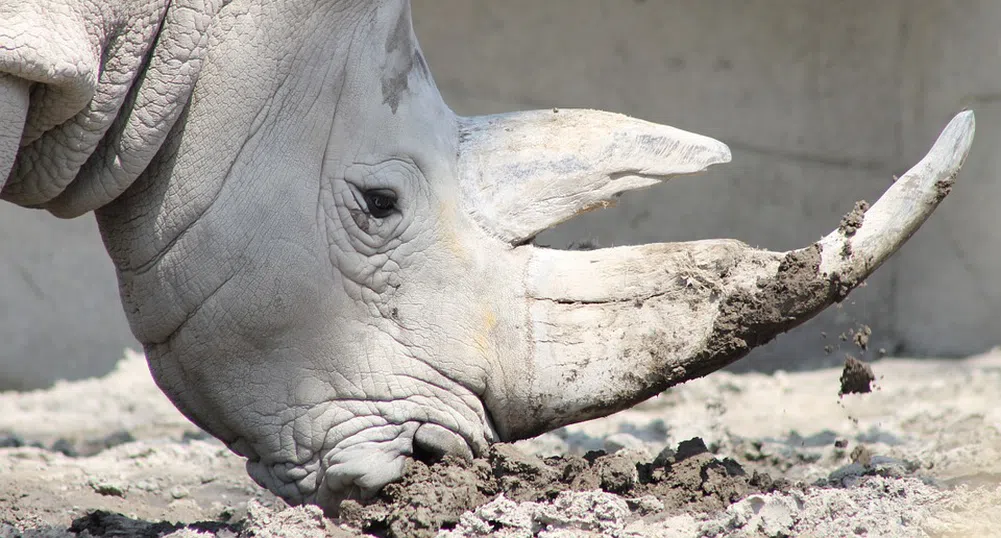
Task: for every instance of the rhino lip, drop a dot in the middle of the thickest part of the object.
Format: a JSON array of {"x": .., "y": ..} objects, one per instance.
[{"x": 433, "y": 442}]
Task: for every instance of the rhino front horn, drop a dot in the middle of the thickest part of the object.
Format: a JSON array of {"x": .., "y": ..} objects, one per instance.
[{"x": 609, "y": 328}]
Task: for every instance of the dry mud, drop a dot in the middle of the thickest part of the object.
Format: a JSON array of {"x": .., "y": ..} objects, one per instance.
[{"x": 728, "y": 455}]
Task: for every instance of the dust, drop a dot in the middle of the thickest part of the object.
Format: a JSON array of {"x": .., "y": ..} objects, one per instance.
[
  {"x": 851, "y": 222},
  {"x": 688, "y": 479},
  {"x": 856, "y": 378}
]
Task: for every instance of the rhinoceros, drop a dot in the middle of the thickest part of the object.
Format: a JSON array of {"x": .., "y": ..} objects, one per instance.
[{"x": 332, "y": 272}]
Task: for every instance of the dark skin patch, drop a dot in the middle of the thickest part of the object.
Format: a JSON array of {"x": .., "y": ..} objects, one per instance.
[{"x": 401, "y": 58}]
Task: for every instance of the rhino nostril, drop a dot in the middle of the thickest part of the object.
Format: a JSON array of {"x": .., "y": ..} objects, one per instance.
[{"x": 433, "y": 442}]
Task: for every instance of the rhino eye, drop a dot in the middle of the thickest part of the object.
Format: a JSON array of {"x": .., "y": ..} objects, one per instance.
[{"x": 381, "y": 202}]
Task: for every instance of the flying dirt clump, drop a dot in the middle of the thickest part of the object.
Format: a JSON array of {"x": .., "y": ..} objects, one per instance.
[
  {"x": 429, "y": 498},
  {"x": 856, "y": 378},
  {"x": 861, "y": 337}
]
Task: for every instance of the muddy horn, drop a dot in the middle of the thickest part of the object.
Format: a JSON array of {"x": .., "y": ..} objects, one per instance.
[{"x": 612, "y": 327}]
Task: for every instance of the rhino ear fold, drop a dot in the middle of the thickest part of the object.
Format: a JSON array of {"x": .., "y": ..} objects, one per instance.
[
  {"x": 14, "y": 100},
  {"x": 523, "y": 172}
]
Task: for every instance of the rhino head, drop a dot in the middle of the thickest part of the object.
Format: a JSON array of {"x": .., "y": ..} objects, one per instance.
[{"x": 332, "y": 272}]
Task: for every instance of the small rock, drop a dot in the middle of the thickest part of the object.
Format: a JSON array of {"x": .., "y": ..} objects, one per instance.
[
  {"x": 179, "y": 492},
  {"x": 11, "y": 440},
  {"x": 647, "y": 504},
  {"x": 861, "y": 455},
  {"x": 773, "y": 514},
  {"x": 619, "y": 441},
  {"x": 109, "y": 488},
  {"x": 65, "y": 446},
  {"x": 664, "y": 458},
  {"x": 689, "y": 448},
  {"x": 849, "y": 475},
  {"x": 617, "y": 472}
]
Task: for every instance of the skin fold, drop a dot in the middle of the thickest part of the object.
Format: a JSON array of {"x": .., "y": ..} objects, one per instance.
[{"x": 331, "y": 272}]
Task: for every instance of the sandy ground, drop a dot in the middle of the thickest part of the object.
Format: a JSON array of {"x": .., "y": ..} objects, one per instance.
[{"x": 784, "y": 455}]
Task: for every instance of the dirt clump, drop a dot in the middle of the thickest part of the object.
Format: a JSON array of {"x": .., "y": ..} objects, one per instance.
[
  {"x": 856, "y": 378},
  {"x": 687, "y": 479},
  {"x": 861, "y": 455},
  {"x": 861, "y": 337},
  {"x": 851, "y": 222}
]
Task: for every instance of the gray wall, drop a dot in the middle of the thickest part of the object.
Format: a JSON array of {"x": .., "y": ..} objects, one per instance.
[
  {"x": 822, "y": 101},
  {"x": 60, "y": 317}
]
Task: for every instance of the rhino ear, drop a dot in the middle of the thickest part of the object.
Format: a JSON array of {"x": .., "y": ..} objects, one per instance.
[{"x": 523, "y": 172}]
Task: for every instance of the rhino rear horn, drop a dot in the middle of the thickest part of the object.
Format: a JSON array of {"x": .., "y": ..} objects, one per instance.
[{"x": 524, "y": 172}]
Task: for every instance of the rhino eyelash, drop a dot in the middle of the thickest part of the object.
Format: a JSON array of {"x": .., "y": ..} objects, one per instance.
[{"x": 380, "y": 203}]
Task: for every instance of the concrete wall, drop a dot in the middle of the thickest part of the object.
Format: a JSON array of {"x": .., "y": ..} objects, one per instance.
[
  {"x": 949, "y": 299},
  {"x": 60, "y": 317},
  {"x": 821, "y": 102}
]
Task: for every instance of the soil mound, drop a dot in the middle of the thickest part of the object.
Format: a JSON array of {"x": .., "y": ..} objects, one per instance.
[{"x": 429, "y": 498}]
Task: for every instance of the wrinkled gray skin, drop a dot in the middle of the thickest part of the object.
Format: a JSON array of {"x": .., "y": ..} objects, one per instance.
[{"x": 227, "y": 147}]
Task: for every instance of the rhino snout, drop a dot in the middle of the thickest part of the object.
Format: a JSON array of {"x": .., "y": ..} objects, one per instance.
[{"x": 358, "y": 466}]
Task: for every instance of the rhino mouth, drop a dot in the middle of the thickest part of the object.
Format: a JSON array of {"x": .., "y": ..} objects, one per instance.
[{"x": 359, "y": 466}]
